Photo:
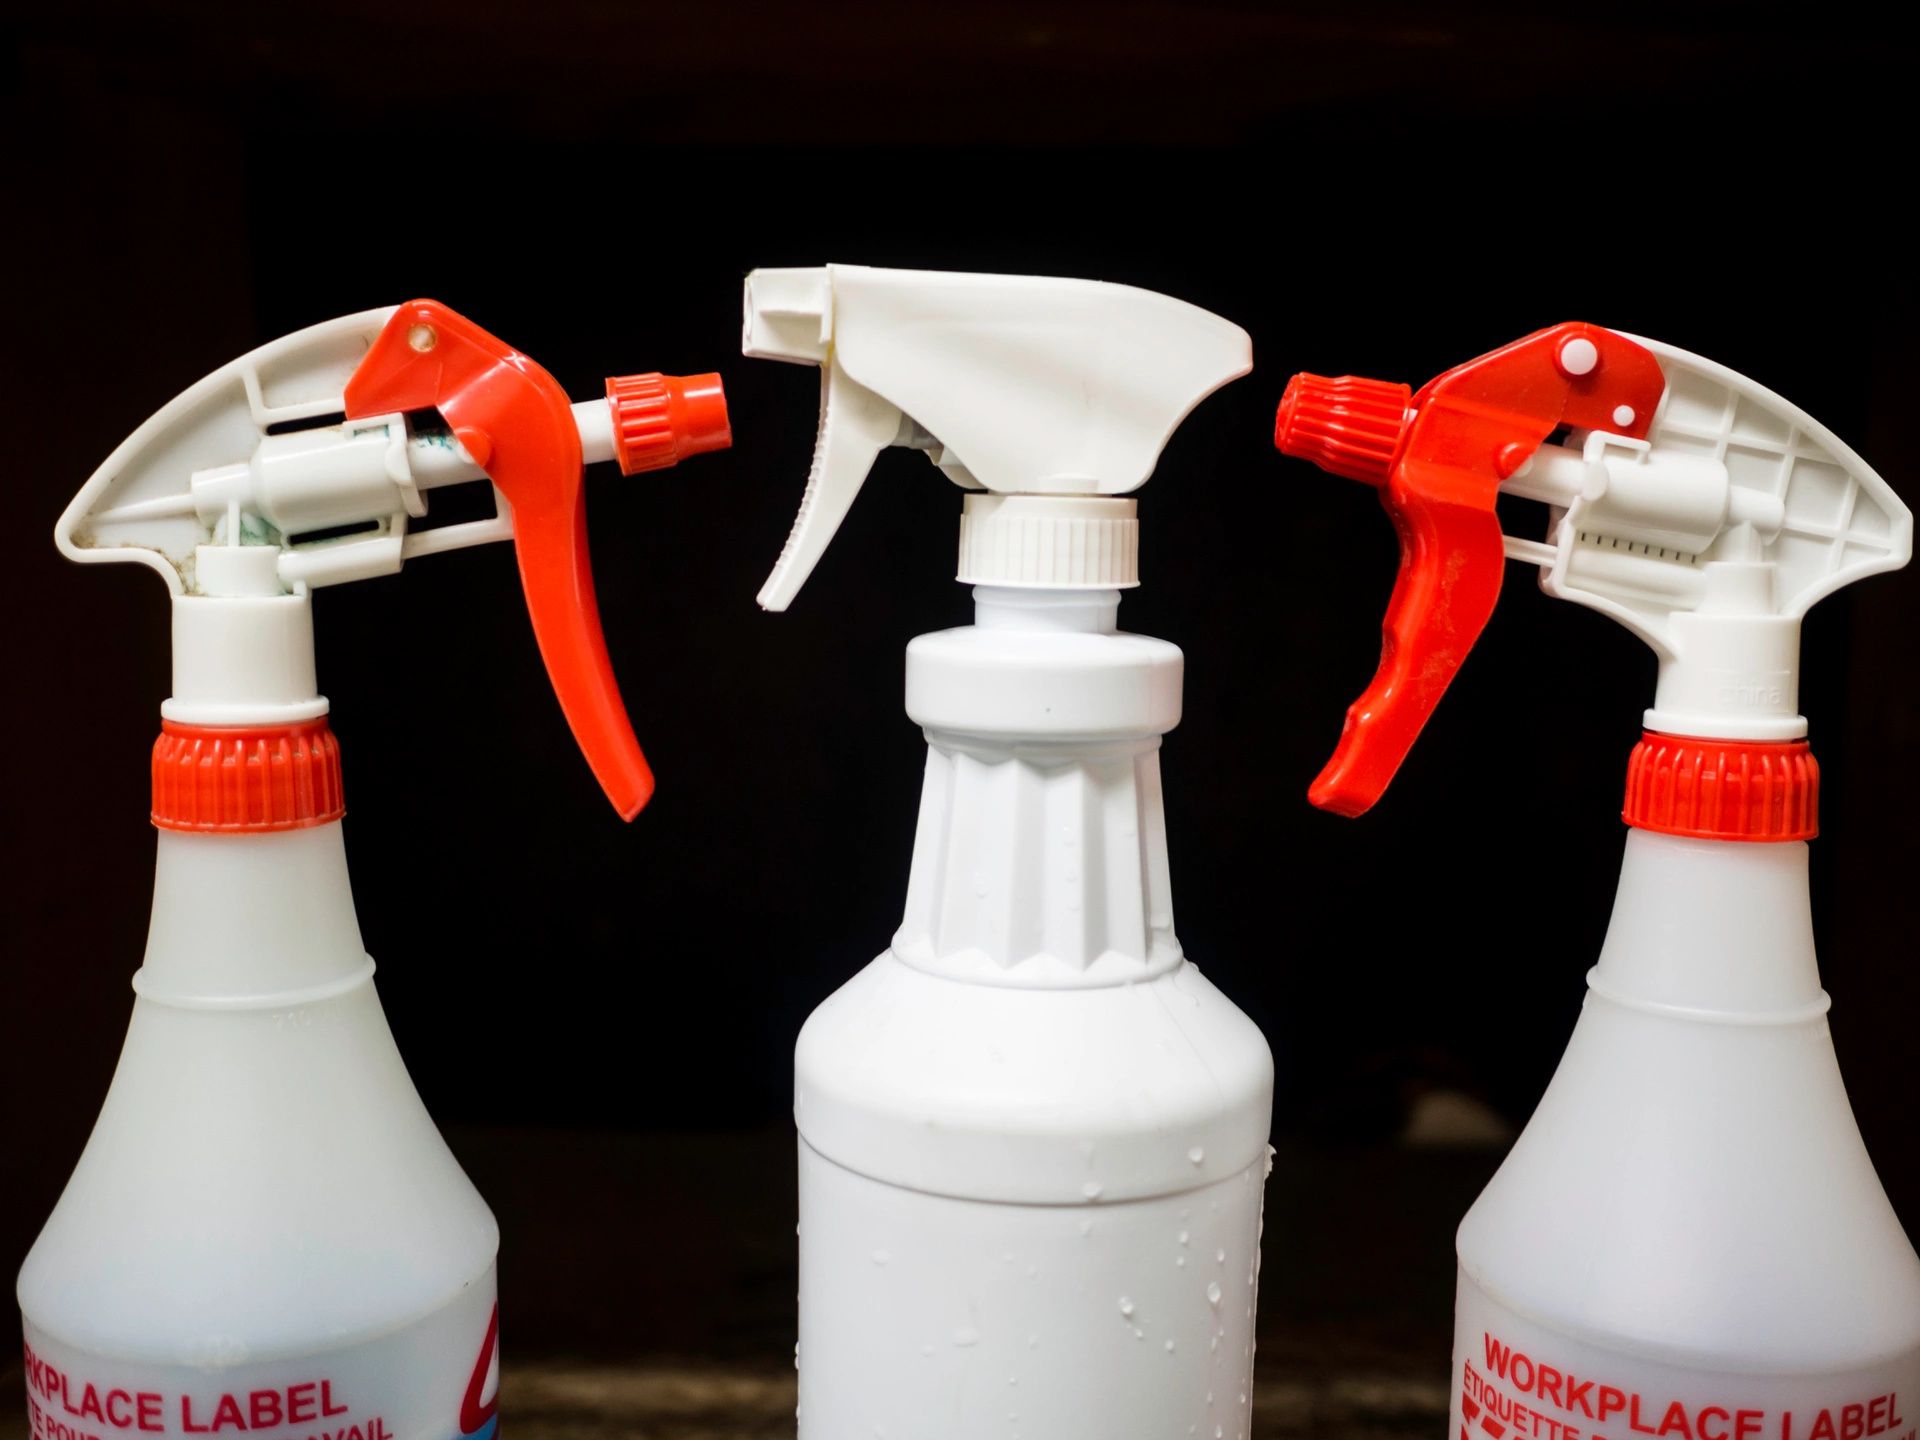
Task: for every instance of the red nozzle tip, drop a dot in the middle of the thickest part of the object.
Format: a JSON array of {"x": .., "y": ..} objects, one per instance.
[
  {"x": 659, "y": 420},
  {"x": 1348, "y": 426}
]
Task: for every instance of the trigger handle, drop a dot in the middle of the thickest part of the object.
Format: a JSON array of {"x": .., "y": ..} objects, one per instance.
[
  {"x": 515, "y": 420},
  {"x": 1439, "y": 458}
]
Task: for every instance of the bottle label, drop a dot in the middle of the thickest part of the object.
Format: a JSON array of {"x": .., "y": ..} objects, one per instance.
[
  {"x": 1517, "y": 1380},
  {"x": 435, "y": 1379}
]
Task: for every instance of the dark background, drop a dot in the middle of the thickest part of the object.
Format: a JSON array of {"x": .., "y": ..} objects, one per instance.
[{"x": 1387, "y": 190}]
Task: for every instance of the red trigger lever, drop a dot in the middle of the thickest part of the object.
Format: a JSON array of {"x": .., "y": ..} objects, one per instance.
[
  {"x": 1438, "y": 458},
  {"x": 517, "y": 424}
]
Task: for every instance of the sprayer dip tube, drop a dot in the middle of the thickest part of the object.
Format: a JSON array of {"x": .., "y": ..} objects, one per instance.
[
  {"x": 1688, "y": 1240},
  {"x": 1032, "y": 1135}
]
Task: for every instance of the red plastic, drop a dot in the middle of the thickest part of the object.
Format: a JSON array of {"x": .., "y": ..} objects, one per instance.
[
  {"x": 1755, "y": 790},
  {"x": 246, "y": 779},
  {"x": 1466, "y": 431},
  {"x": 1348, "y": 426},
  {"x": 660, "y": 420},
  {"x": 515, "y": 420}
]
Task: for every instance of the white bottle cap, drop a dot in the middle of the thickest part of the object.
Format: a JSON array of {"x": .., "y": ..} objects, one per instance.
[{"x": 1057, "y": 542}]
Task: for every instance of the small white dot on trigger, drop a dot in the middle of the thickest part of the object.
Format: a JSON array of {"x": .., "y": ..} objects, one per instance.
[
  {"x": 1579, "y": 355},
  {"x": 1623, "y": 415}
]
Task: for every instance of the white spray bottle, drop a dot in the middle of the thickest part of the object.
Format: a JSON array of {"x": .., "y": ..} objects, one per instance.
[
  {"x": 265, "y": 1233},
  {"x": 1688, "y": 1241},
  {"x": 1033, "y": 1138}
]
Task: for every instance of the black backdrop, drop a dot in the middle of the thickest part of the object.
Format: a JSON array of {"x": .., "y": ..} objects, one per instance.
[{"x": 1387, "y": 190}]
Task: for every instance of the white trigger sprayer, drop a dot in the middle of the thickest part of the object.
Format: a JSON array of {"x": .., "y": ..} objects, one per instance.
[
  {"x": 1688, "y": 1240},
  {"x": 265, "y": 1232},
  {"x": 1032, "y": 1136}
]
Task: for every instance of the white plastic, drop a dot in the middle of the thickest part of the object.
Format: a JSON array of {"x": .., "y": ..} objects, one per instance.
[
  {"x": 219, "y": 497},
  {"x": 1710, "y": 540},
  {"x": 1032, "y": 1135},
  {"x": 264, "y": 1210},
  {"x": 1049, "y": 542},
  {"x": 1016, "y": 384},
  {"x": 265, "y": 1231},
  {"x": 1688, "y": 1239},
  {"x": 1690, "y": 1217},
  {"x": 1033, "y": 1138}
]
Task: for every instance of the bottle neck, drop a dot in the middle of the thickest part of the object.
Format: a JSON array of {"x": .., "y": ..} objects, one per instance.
[
  {"x": 1715, "y": 929},
  {"x": 251, "y": 921},
  {"x": 243, "y": 659},
  {"x": 1040, "y": 860},
  {"x": 1008, "y": 607}
]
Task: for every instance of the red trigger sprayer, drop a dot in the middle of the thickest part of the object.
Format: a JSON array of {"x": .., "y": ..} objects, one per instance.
[
  {"x": 1439, "y": 459},
  {"x": 265, "y": 1229},
  {"x": 1688, "y": 1239},
  {"x": 516, "y": 424}
]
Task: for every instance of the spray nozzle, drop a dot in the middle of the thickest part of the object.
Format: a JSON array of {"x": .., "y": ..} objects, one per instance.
[
  {"x": 1023, "y": 386},
  {"x": 1694, "y": 506},
  {"x": 303, "y": 463}
]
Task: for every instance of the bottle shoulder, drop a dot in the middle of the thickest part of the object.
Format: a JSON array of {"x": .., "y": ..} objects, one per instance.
[
  {"x": 256, "y": 1179},
  {"x": 1033, "y": 1095},
  {"x": 1698, "y": 1189}
]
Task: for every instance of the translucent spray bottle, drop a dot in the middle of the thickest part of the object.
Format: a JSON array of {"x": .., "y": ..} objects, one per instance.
[
  {"x": 1688, "y": 1240},
  {"x": 1032, "y": 1136},
  {"x": 265, "y": 1233}
]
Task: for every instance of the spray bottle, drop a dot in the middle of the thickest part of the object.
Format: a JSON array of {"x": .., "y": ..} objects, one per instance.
[
  {"x": 1688, "y": 1240},
  {"x": 1032, "y": 1137},
  {"x": 265, "y": 1232}
]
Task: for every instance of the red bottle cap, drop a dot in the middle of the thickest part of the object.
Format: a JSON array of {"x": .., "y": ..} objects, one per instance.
[
  {"x": 1723, "y": 789},
  {"x": 1348, "y": 426},
  {"x": 659, "y": 420},
  {"x": 246, "y": 779}
]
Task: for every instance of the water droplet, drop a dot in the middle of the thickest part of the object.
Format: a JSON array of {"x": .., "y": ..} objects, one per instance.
[
  {"x": 966, "y": 1335},
  {"x": 1126, "y": 1306},
  {"x": 1006, "y": 1257},
  {"x": 1138, "y": 1333},
  {"x": 1219, "y": 1257},
  {"x": 1086, "y": 1227},
  {"x": 1218, "y": 1432},
  {"x": 1197, "y": 1155},
  {"x": 881, "y": 1257},
  {"x": 1169, "y": 1347},
  {"x": 1184, "y": 1237},
  {"x": 927, "y": 1349},
  {"x": 1179, "y": 1262},
  {"x": 1091, "y": 1189},
  {"x": 1013, "y": 1379},
  {"x": 1213, "y": 1292},
  {"x": 1033, "y": 1342}
]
